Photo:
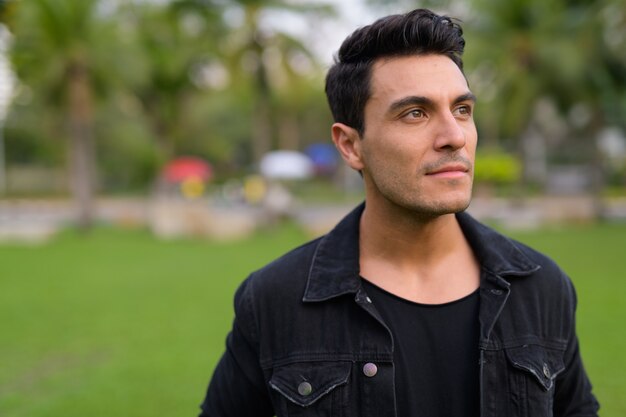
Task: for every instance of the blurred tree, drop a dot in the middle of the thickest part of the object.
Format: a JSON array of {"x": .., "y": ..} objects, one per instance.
[
  {"x": 297, "y": 91},
  {"x": 598, "y": 100},
  {"x": 183, "y": 78},
  {"x": 7, "y": 11},
  {"x": 178, "y": 43},
  {"x": 259, "y": 55},
  {"x": 62, "y": 52},
  {"x": 552, "y": 77},
  {"x": 210, "y": 85}
]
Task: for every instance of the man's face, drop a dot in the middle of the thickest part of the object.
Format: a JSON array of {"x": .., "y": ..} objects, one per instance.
[{"x": 418, "y": 147}]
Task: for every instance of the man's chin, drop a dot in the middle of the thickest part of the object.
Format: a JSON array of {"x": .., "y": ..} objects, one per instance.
[{"x": 450, "y": 207}]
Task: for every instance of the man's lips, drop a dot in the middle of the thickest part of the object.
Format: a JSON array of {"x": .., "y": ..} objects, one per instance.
[{"x": 449, "y": 171}]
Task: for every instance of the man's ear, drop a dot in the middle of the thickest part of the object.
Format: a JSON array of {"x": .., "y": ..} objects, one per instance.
[{"x": 348, "y": 143}]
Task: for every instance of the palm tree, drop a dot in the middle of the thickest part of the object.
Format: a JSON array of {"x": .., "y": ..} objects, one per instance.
[
  {"x": 253, "y": 55},
  {"x": 176, "y": 40},
  {"x": 250, "y": 63},
  {"x": 62, "y": 51}
]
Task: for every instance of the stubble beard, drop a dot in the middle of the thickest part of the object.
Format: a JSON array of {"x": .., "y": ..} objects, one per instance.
[{"x": 426, "y": 207}]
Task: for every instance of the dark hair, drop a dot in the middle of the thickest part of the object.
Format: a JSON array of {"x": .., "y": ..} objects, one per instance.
[{"x": 419, "y": 32}]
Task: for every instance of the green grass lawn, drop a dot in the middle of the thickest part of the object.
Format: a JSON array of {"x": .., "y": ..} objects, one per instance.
[{"x": 120, "y": 324}]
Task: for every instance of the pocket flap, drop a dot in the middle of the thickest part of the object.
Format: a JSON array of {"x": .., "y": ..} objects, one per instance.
[
  {"x": 304, "y": 383},
  {"x": 543, "y": 363}
]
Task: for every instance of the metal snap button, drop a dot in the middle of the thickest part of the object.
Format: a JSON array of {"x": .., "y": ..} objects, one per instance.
[
  {"x": 496, "y": 292},
  {"x": 368, "y": 300},
  {"x": 305, "y": 389},
  {"x": 546, "y": 371},
  {"x": 370, "y": 369}
]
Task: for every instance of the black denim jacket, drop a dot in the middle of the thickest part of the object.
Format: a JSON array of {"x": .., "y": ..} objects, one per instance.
[{"x": 307, "y": 341}]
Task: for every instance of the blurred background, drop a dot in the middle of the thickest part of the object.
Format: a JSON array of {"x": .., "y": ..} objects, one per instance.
[{"x": 154, "y": 152}]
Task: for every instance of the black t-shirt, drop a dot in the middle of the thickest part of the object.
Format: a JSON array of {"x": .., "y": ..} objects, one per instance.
[{"x": 435, "y": 354}]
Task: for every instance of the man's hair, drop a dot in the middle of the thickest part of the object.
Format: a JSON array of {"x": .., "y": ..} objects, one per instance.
[{"x": 419, "y": 32}]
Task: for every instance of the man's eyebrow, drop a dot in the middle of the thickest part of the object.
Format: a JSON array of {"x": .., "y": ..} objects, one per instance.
[
  {"x": 410, "y": 101},
  {"x": 425, "y": 101},
  {"x": 465, "y": 97}
]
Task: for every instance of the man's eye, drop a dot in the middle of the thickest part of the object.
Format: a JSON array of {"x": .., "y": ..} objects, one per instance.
[
  {"x": 463, "y": 111},
  {"x": 415, "y": 114}
]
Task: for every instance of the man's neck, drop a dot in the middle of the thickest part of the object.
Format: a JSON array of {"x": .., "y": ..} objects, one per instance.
[{"x": 422, "y": 259}]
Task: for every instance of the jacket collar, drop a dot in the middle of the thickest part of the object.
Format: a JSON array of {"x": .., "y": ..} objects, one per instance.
[{"x": 335, "y": 268}]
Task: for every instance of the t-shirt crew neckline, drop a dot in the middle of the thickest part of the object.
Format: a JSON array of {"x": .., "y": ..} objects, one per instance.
[{"x": 415, "y": 303}]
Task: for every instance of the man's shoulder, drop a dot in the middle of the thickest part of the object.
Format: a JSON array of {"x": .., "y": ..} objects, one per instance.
[
  {"x": 546, "y": 263},
  {"x": 295, "y": 260},
  {"x": 337, "y": 249},
  {"x": 548, "y": 278},
  {"x": 510, "y": 258},
  {"x": 285, "y": 273}
]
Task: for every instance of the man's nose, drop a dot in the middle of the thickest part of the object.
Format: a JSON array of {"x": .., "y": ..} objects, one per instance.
[{"x": 450, "y": 134}]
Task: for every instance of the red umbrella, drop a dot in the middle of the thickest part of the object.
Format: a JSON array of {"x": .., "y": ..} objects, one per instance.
[{"x": 184, "y": 167}]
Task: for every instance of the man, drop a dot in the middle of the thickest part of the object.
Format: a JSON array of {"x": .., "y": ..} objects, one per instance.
[{"x": 409, "y": 307}]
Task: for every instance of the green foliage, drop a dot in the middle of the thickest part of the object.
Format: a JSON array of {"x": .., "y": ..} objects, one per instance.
[
  {"x": 174, "y": 41},
  {"x": 166, "y": 78},
  {"x": 7, "y": 11},
  {"x": 51, "y": 36},
  {"x": 555, "y": 50},
  {"x": 128, "y": 159},
  {"x": 211, "y": 78},
  {"x": 497, "y": 168}
]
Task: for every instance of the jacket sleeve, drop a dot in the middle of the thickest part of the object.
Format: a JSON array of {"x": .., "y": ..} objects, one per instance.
[
  {"x": 573, "y": 396},
  {"x": 237, "y": 388}
]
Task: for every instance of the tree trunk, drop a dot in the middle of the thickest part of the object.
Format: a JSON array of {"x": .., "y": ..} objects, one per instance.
[
  {"x": 261, "y": 134},
  {"x": 81, "y": 142},
  {"x": 289, "y": 134},
  {"x": 261, "y": 129}
]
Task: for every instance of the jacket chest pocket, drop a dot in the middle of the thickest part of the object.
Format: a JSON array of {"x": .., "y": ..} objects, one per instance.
[
  {"x": 533, "y": 375},
  {"x": 310, "y": 388}
]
